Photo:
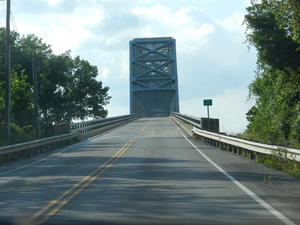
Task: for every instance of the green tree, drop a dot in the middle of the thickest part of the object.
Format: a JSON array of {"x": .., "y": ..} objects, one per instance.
[
  {"x": 70, "y": 90},
  {"x": 68, "y": 87},
  {"x": 274, "y": 31}
]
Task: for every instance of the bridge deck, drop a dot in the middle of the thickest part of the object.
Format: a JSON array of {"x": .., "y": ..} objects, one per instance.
[{"x": 143, "y": 172}]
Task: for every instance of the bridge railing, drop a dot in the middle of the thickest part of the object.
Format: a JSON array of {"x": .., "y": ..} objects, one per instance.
[
  {"x": 238, "y": 145},
  {"x": 86, "y": 126},
  {"x": 195, "y": 121},
  {"x": 79, "y": 131}
]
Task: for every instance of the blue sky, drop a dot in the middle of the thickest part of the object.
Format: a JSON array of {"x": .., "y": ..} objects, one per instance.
[{"x": 213, "y": 59}]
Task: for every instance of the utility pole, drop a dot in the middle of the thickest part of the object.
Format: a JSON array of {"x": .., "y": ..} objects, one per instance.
[
  {"x": 36, "y": 100},
  {"x": 7, "y": 73}
]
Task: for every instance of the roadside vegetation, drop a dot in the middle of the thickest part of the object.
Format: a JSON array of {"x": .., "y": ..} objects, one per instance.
[
  {"x": 68, "y": 88},
  {"x": 274, "y": 30},
  {"x": 279, "y": 161}
]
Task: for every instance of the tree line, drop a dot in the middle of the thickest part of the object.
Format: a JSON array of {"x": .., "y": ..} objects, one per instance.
[
  {"x": 273, "y": 28},
  {"x": 68, "y": 87}
]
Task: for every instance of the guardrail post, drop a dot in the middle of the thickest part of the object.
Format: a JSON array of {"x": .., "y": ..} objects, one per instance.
[
  {"x": 252, "y": 155},
  {"x": 243, "y": 153},
  {"x": 237, "y": 150},
  {"x": 225, "y": 147}
]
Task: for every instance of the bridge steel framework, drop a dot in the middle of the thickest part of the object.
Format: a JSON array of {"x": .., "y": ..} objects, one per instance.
[{"x": 153, "y": 76}]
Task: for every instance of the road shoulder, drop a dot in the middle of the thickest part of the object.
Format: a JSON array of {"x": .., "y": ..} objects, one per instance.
[{"x": 277, "y": 188}]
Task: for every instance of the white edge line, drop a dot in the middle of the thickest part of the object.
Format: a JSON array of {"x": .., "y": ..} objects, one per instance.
[{"x": 259, "y": 200}]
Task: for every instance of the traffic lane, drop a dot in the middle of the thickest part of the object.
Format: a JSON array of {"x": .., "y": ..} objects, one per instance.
[
  {"x": 124, "y": 131},
  {"x": 25, "y": 165},
  {"x": 25, "y": 191},
  {"x": 163, "y": 180},
  {"x": 281, "y": 190}
]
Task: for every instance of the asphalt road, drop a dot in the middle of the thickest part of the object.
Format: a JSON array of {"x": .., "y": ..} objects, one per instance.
[{"x": 145, "y": 172}]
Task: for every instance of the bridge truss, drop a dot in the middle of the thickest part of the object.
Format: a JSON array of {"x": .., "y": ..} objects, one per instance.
[{"x": 153, "y": 77}]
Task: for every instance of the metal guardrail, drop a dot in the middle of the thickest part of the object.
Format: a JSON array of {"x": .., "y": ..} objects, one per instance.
[
  {"x": 196, "y": 122},
  {"x": 236, "y": 143},
  {"x": 290, "y": 153},
  {"x": 189, "y": 119},
  {"x": 36, "y": 143},
  {"x": 77, "y": 131}
]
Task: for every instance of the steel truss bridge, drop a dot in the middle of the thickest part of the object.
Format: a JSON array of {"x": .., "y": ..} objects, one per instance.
[{"x": 153, "y": 77}]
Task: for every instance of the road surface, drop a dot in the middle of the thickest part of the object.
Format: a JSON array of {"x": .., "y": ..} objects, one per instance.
[{"x": 145, "y": 172}]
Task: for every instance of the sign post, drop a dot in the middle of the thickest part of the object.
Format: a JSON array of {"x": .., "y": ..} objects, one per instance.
[{"x": 207, "y": 102}]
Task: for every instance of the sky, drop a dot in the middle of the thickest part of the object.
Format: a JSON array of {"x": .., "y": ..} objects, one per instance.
[{"x": 213, "y": 59}]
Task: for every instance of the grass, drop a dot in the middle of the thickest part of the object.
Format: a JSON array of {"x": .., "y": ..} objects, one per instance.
[
  {"x": 187, "y": 124},
  {"x": 279, "y": 161}
]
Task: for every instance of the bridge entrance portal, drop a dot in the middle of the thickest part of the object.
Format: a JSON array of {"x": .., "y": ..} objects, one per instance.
[{"x": 153, "y": 77}]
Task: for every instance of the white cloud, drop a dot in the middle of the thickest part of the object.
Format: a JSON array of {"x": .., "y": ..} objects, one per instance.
[
  {"x": 103, "y": 73},
  {"x": 114, "y": 109},
  {"x": 160, "y": 20},
  {"x": 232, "y": 23},
  {"x": 192, "y": 39},
  {"x": 229, "y": 107},
  {"x": 62, "y": 31},
  {"x": 167, "y": 16},
  {"x": 54, "y": 2}
]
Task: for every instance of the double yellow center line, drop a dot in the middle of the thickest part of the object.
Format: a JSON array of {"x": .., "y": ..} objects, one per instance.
[
  {"x": 55, "y": 205},
  {"x": 146, "y": 125}
]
